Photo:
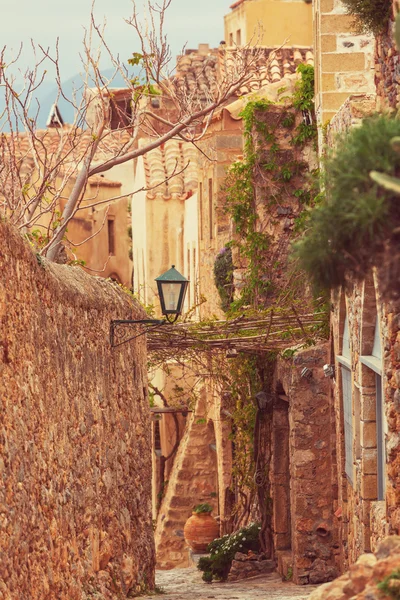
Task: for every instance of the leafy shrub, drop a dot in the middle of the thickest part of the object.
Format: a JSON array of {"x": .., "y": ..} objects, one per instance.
[
  {"x": 223, "y": 277},
  {"x": 223, "y": 550},
  {"x": 390, "y": 586},
  {"x": 345, "y": 235},
  {"x": 370, "y": 16}
]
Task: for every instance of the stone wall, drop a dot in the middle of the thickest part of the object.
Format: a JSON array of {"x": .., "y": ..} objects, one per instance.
[
  {"x": 75, "y": 499},
  {"x": 363, "y": 518},
  {"x": 362, "y": 580},
  {"x": 343, "y": 60},
  {"x": 387, "y": 69},
  {"x": 313, "y": 533}
]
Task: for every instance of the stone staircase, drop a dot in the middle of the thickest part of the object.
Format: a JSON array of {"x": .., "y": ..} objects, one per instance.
[{"x": 192, "y": 481}]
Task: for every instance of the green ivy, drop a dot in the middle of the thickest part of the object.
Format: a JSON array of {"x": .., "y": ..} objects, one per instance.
[
  {"x": 252, "y": 243},
  {"x": 223, "y": 277},
  {"x": 390, "y": 586}
]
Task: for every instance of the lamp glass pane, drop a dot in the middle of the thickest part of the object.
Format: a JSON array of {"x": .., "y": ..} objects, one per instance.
[{"x": 171, "y": 293}]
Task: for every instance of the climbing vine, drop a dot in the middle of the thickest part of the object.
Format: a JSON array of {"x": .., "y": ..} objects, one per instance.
[{"x": 269, "y": 180}]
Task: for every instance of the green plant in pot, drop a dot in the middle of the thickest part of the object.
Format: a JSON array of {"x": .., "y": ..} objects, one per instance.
[
  {"x": 201, "y": 528},
  {"x": 202, "y": 508}
]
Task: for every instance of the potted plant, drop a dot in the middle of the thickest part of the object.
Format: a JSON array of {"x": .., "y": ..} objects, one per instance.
[{"x": 201, "y": 528}]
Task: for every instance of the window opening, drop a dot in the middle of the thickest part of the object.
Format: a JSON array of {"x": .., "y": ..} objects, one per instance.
[
  {"x": 345, "y": 362},
  {"x": 121, "y": 113},
  {"x": 111, "y": 237},
  {"x": 210, "y": 207},
  {"x": 201, "y": 209}
]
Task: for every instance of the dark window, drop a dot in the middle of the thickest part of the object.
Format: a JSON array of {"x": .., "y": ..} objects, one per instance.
[
  {"x": 111, "y": 237},
  {"x": 121, "y": 113},
  {"x": 157, "y": 435},
  {"x": 201, "y": 209}
]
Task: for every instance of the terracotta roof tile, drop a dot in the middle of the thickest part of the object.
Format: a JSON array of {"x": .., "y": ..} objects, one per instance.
[
  {"x": 198, "y": 73},
  {"x": 66, "y": 143},
  {"x": 162, "y": 162},
  {"x": 236, "y": 4}
]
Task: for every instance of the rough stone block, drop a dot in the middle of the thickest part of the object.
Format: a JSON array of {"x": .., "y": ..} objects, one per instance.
[
  {"x": 341, "y": 62},
  {"x": 369, "y": 461},
  {"x": 368, "y": 434},
  {"x": 369, "y": 487},
  {"x": 337, "y": 24}
]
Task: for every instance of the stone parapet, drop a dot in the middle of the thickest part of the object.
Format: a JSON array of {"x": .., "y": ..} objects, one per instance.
[{"x": 75, "y": 500}]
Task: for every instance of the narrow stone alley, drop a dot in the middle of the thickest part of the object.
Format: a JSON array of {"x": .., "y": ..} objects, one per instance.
[{"x": 186, "y": 584}]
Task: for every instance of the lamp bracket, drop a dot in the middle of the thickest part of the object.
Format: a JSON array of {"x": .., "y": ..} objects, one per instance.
[{"x": 121, "y": 329}]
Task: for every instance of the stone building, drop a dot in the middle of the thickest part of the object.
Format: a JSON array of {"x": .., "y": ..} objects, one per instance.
[
  {"x": 256, "y": 21},
  {"x": 357, "y": 75}
]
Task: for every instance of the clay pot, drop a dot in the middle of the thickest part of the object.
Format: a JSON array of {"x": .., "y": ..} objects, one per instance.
[{"x": 200, "y": 529}]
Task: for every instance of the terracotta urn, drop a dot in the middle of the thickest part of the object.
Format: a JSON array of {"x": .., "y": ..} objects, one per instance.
[{"x": 200, "y": 529}]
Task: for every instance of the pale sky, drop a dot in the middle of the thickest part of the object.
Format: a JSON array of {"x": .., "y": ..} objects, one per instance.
[{"x": 191, "y": 21}]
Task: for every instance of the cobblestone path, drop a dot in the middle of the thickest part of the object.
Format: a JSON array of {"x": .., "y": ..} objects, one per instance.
[{"x": 186, "y": 584}]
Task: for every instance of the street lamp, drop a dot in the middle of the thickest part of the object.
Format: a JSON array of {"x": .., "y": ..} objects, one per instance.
[{"x": 172, "y": 288}]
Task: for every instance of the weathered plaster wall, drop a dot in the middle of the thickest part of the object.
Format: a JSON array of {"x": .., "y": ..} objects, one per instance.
[
  {"x": 75, "y": 464},
  {"x": 223, "y": 143},
  {"x": 283, "y": 22}
]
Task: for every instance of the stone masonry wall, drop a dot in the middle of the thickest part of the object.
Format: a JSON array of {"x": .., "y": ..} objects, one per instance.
[
  {"x": 365, "y": 519},
  {"x": 344, "y": 61},
  {"x": 313, "y": 543},
  {"x": 75, "y": 466},
  {"x": 387, "y": 68}
]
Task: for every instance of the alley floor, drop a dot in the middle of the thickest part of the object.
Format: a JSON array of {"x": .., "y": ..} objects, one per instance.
[{"x": 186, "y": 584}]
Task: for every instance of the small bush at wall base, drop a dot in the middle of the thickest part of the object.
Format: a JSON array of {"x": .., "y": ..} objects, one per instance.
[
  {"x": 370, "y": 16},
  {"x": 223, "y": 550},
  {"x": 390, "y": 586},
  {"x": 345, "y": 236}
]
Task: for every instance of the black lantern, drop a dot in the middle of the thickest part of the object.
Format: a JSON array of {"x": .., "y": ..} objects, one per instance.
[{"x": 172, "y": 288}]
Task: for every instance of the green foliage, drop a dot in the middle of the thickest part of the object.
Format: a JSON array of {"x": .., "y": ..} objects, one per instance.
[
  {"x": 390, "y": 586},
  {"x": 223, "y": 277},
  {"x": 202, "y": 508},
  {"x": 370, "y": 16},
  {"x": 251, "y": 241},
  {"x": 289, "y": 575},
  {"x": 223, "y": 550},
  {"x": 346, "y": 233},
  {"x": 244, "y": 384}
]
